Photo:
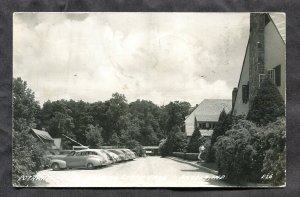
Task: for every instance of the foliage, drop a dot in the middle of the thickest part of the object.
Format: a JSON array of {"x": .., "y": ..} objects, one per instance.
[
  {"x": 25, "y": 108},
  {"x": 224, "y": 124},
  {"x": 274, "y": 163},
  {"x": 28, "y": 152},
  {"x": 206, "y": 152},
  {"x": 177, "y": 111},
  {"x": 141, "y": 120},
  {"x": 93, "y": 136},
  {"x": 236, "y": 150},
  {"x": 195, "y": 142},
  {"x": 267, "y": 106},
  {"x": 175, "y": 142},
  {"x": 255, "y": 153},
  {"x": 113, "y": 122}
]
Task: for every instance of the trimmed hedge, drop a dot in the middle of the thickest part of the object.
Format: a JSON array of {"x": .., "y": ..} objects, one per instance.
[{"x": 188, "y": 156}]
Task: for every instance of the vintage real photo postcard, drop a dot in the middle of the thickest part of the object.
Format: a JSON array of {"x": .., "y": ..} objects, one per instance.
[{"x": 159, "y": 99}]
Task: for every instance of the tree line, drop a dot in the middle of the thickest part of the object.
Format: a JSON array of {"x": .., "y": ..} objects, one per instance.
[{"x": 114, "y": 122}]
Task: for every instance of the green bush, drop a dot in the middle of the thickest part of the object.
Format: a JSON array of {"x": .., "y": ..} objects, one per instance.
[
  {"x": 195, "y": 142},
  {"x": 267, "y": 105},
  {"x": 28, "y": 158},
  {"x": 175, "y": 142},
  {"x": 207, "y": 150},
  {"x": 248, "y": 153},
  {"x": 233, "y": 154},
  {"x": 224, "y": 124},
  {"x": 274, "y": 163}
]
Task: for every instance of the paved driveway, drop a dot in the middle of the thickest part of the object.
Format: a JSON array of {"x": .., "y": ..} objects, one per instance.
[{"x": 142, "y": 172}]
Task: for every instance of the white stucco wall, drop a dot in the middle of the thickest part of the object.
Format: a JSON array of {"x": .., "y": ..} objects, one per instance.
[
  {"x": 241, "y": 108},
  {"x": 275, "y": 54},
  {"x": 190, "y": 124}
]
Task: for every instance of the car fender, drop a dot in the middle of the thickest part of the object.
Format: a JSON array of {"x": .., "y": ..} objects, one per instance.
[
  {"x": 61, "y": 163},
  {"x": 94, "y": 161}
]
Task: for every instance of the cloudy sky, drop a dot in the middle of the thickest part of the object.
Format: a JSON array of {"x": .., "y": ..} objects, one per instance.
[{"x": 160, "y": 57}]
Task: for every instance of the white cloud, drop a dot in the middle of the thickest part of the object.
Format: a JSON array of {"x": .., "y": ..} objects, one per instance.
[{"x": 155, "y": 56}]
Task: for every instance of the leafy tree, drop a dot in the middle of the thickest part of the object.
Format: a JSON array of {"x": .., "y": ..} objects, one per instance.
[
  {"x": 57, "y": 120},
  {"x": 223, "y": 125},
  {"x": 25, "y": 108},
  {"x": 176, "y": 113},
  {"x": 81, "y": 118},
  {"x": 148, "y": 115},
  {"x": 114, "y": 140},
  {"x": 27, "y": 151},
  {"x": 93, "y": 136},
  {"x": 195, "y": 142},
  {"x": 267, "y": 105},
  {"x": 175, "y": 142}
]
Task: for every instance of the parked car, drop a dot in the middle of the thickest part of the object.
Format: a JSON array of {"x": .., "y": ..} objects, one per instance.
[
  {"x": 80, "y": 159},
  {"x": 103, "y": 153},
  {"x": 114, "y": 156},
  {"x": 120, "y": 154},
  {"x": 129, "y": 155}
]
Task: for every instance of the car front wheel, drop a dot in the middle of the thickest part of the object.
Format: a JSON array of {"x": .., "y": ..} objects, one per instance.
[
  {"x": 55, "y": 166},
  {"x": 90, "y": 166}
]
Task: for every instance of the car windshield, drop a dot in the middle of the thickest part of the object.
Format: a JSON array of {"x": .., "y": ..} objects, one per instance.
[{"x": 71, "y": 153}]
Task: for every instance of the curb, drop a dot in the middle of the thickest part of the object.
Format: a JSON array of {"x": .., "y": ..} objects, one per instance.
[{"x": 195, "y": 165}]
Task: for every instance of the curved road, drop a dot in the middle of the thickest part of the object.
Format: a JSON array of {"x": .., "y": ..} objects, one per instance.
[{"x": 142, "y": 172}]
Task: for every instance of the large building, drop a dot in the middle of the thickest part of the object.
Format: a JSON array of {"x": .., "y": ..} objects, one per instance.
[
  {"x": 264, "y": 58},
  {"x": 205, "y": 116}
]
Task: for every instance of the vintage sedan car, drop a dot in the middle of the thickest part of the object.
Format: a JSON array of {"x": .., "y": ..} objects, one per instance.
[
  {"x": 130, "y": 152},
  {"x": 80, "y": 159},
  {"x": 112, "y": 155},
  {"x": 104, "y": 154},
  {"x": 120, "y": 154}
]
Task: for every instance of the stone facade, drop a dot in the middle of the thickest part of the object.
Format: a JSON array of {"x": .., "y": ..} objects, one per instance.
[
  {"x": 264, "y": 57},
  {"x": 256, "y": 52}
]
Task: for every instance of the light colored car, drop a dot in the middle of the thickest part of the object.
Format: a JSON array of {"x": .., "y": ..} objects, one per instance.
[
  {"x": 128, "y": 154},
  {"x": 112, "y": 155},
  {"x": 120, "y": 154},
  {"x": 131, "y": 153},
  {"x": 80, "y": 159},
  {"x": 107, "y": 157}
]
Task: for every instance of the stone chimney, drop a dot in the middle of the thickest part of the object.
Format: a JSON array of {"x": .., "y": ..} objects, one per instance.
[{"x": 234, "y": 95}]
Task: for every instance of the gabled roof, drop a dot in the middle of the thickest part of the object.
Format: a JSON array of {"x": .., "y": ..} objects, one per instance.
[
  {"x": 279, "y": 21},
  {"x": 209, "y": 109},
  {"x": 44, "y": 135}
]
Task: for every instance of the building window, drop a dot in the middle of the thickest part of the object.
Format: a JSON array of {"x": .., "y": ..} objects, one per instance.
[
  {"x": 245, "y": 93},
  {"x": 271, "y": 75},
  {"x": 207, "y": 125},
  {"x": 278, "y": 75},
  {"x": 261, "y": 78}
]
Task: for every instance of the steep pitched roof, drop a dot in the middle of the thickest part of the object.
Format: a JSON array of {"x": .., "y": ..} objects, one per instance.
[
  {"x": 44, "y": 135},
  {"x": 280, "y": 23},
  {"x": 209, "y": 109}
]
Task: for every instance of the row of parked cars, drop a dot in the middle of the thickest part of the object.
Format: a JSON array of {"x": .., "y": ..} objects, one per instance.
[{"x": 90, "y": 158}]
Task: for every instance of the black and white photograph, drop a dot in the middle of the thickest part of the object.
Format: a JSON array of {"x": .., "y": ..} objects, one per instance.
[{"x": 149, "y": 99}]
